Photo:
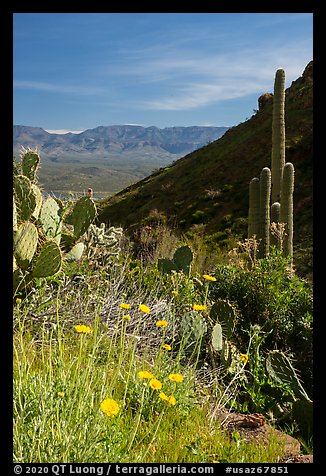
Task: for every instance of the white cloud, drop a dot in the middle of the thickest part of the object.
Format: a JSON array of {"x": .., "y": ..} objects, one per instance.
[{"x": 58, "y": 88}]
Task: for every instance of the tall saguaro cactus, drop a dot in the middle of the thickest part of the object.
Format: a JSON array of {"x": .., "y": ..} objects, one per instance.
[
  {"x": 278, "y": 135},
  {"x": 271, "y": 197}
]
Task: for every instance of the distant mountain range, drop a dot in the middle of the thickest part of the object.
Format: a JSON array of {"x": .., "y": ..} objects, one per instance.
[
  {"x": 108, "y": 158},
  {"x": 109, "y": 143}
]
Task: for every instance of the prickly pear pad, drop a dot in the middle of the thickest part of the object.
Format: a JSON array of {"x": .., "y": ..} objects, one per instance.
[
  {"x": 25, "y": 243},
  {"x": 49, "y": 260},
  {"x": 24, "y": 197},
  {"x": 50, "y": 219},
  {"x": 82, "y": 215},
  {"x": 30, "y": 164}
]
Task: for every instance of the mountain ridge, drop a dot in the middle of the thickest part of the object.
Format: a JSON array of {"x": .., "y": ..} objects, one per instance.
[{"x": 113, "y": 140}]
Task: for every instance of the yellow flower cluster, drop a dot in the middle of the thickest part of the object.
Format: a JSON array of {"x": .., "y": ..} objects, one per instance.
[
  {"x": 143, "y": 374},
  {"x": 244, "y": 358},
  {"x": 110, "y": 407},
  {"x": 199, "y": 307},
  {"x": 171, "y": 400},
  {"x": 167, "y": 347},
  {"x": 208, "y": 277},
  {"x": 83, "y": 329},
  {"x": 155, "y": 384},
  {"x": 124, "y": 305},
  {"x": 144, "y": 308},
  {"x": 176, "y": 377},
  {"x": 162, "y": 323}
]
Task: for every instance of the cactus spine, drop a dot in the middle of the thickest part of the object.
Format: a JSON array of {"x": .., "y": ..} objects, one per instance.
[{"x": 278, "y": 135}]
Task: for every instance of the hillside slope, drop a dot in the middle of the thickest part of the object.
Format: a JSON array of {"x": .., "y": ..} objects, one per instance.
[{"x": 208, "y": 189}]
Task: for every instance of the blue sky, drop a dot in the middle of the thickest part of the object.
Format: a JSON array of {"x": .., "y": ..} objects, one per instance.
[{"x": 76, "y": 71}]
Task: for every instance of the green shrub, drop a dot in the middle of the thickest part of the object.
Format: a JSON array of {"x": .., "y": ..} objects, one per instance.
[{"x": 280, "y": 302}]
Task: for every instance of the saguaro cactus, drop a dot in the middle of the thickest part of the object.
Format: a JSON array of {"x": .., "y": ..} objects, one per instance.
[
  {"x": 278, "y": 135},
  {"x": 276, "y": 185},
  {"x": 265, "y": 190},
  {"x": 254, "y": 208},
  {"x": 286, "y": 208}
]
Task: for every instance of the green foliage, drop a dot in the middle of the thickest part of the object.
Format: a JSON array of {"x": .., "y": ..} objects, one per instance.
[{"x": 279, "y": 302}]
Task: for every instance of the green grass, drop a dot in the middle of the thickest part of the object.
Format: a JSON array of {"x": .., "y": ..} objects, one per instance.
[
  {"x": 60, "y": 382},
  {"x": 61, "y": 376}
]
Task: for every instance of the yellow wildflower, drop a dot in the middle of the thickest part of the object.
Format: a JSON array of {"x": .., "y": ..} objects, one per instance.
[
  {"x": 144, "y": 374},
  {"x": 172, "y": 400},
  {"x": 61, "y": 394},
  {"x": 144, "y": 308},
  {"x": 166, "y": 347},
  {"x": 176, "y": 377},
  {"x": 109, "y": 407},
  {"x": 175, "y": 292},
  {"x": 208, "y": 277},
  {"x": 244, "y": 358},
  {"x": 83, "y": 329},
  {"x": 162, "y": 323},
  {"x": 162, "y": 396},
  {"x": 124, "y": 305},
  {"x": 126, "y": 316},
  {"x": 155, "y": 384},
  {"x": 199, "y": 307}
]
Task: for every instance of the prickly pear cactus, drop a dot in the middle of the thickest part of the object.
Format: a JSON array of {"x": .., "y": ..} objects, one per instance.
[
  {"x": 25, "y": 244},
  {"x": 48, "y": 261},
  {"x": 181, "y": 261},
  {"x": 75, "y": 253},
  {"x": 281, "y": 370},
  {"x": 230, "y": 357},
  {"x": 50, "y": 219},
  {"x": 183, "y": 257},
  {"x": 82, "y": 216},
  {"x": 24, "y": 197},
  {"x": 39, "y": 201},
  {"x": 193, "y": 329},
  {"x": 217, "y": 337},
  {"x": 30, "y": 163},
  {"x": 40, "y": 242},
  {"x": 226, "y": 315},
  {"x": 303, "y": 414}
]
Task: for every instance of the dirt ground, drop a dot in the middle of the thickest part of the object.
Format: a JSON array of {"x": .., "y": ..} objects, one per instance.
[{"x": 254, "y": 428}]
